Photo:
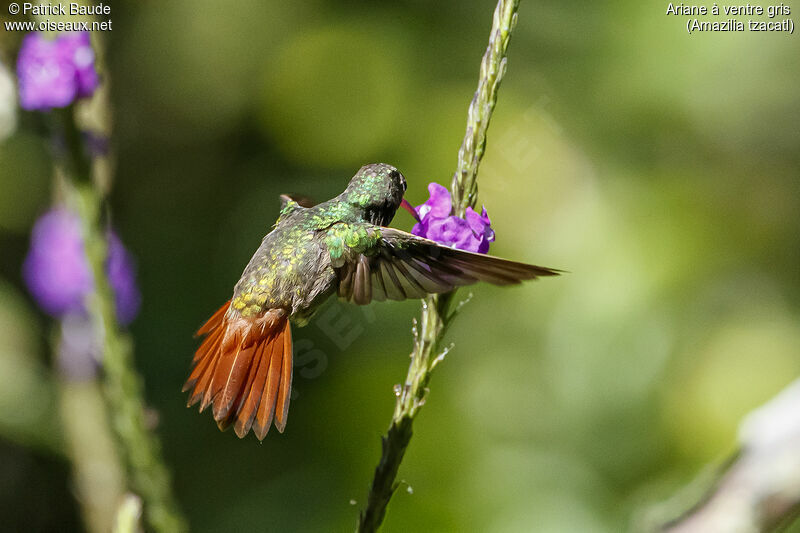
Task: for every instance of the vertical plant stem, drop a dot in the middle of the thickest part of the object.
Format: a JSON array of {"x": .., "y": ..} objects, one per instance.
[
  {"x": 464, "y": 186},
  {"x": 149, "y": 477},
  {"x": 435, "y": 315}
]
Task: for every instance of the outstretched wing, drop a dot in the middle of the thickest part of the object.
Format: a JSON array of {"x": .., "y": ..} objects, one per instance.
[{"x": 397, "y": 265}]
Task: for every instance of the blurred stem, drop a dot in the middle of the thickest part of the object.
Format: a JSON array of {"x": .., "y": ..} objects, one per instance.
[
  {"x": 128, "y": 515},
  {"x": 149, "y": 477},
  {"x": 97, "y": 473},
  {"x": 756, "y": 489},
  {"x": 78, "y": 160},
  {"x": 435, "y": 315}
]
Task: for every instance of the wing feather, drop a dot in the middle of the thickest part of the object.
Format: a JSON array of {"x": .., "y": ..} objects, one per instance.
[
  {"x": 390, "y": 281},
  {"x": 378, "y": 289},
  {"x": 407, "y": 266},
  {"x": 362, "y": 286}
]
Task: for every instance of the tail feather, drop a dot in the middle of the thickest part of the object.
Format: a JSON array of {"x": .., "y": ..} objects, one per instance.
[
  {"x": 266, "y": 408},
  {"x": 199, "y": 377},
  {"x": 228, "y": 380},
  {"x": 243, "y": 369},
  {"x": 247, "y": 404},
  {"x": 285, "y": 391}
]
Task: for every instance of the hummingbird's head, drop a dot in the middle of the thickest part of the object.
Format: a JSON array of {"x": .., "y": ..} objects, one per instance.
[{"x": 377, "y": 189}]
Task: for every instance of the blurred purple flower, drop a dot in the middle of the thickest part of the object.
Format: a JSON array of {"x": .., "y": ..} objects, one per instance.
[
  {"x": 122, "y": 277},
  {"x": 54, "y": 72},
  {"x": 58, "y": 275},
  {"x": 77, "y": 47},
  {"x": 97, "y": 144},
  {"x": 472, "y": 233},
  {"x": 55, "y": 269}
]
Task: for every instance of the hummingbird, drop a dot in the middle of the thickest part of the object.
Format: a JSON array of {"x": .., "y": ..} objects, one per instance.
[{"x": 243, "y": 367}]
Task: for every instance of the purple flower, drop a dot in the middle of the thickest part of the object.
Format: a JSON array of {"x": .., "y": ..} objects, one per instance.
[
  {"x": 54, "y": 72},
  {"x": 481, "y": 228},
  {"x": 472, "y": 233},
  {"x": 58, "y": 275},
  {"x": 438, "y": 205}
]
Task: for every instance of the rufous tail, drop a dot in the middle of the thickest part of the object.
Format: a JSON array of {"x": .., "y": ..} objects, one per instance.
[{"x": 243, "y": 369}]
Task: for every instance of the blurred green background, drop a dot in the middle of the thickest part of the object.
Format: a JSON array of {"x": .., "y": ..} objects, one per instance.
[{"x": 659, "y": 169}]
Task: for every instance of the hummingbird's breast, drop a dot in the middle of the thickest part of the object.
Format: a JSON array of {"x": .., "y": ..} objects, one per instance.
[{"x": 291, "y": 270}]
